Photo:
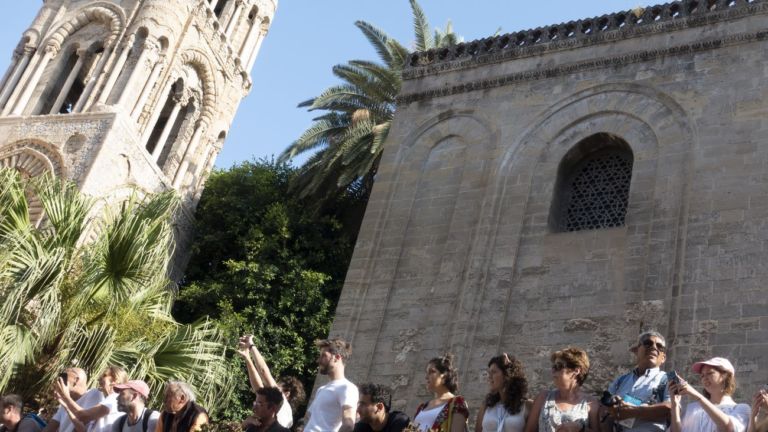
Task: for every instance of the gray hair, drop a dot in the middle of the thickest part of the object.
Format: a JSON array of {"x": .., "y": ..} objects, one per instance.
[
  {"x": 180, "y": 388},
  {"x": 649, "y": 334}
]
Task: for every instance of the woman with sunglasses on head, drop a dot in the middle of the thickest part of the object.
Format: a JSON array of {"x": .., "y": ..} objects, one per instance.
[
  {"x": 566, "y": 408},
  {"x": 713, "y": 410},
  {"x": 506, "y": 406},
  {"x": 446, "y": 412}
]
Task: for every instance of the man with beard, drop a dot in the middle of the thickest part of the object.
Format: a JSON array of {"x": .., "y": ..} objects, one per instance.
[
  {"x": 334, "y": 406},
  {"x": 640, "y": 399},
  {"x": 374, "y": 413},
  {"x": 132, "y": 400},
  {"x": 265, "y": 408}
]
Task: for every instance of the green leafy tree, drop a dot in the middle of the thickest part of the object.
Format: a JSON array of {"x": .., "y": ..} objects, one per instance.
[
  {"x": 262, "y": 264},
  {"x": 347, "y": 140},
  {"x": 88, "y": 288}
]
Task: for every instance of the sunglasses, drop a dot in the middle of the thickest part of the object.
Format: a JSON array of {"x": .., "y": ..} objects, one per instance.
[
  {"x": 556, "y": 367},
  {"x": 651, "y": 344}
]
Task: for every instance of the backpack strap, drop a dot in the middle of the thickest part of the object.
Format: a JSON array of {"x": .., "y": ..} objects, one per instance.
[
  {"x": 40, "y": 422},
  {"x": 120, "y": 423},
  {"x": 145, "y": 421}
]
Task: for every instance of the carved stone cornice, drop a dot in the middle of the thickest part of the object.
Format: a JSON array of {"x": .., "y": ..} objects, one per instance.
[
  {"x": 598, "y": 63},
  {"x": 664, "y": 18}
]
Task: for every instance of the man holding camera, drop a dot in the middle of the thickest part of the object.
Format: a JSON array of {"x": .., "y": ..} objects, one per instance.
[{"x": 639, "y": 401}]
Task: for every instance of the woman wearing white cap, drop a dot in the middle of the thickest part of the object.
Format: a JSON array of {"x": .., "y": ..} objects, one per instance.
[{"x": 713, "y": 410}]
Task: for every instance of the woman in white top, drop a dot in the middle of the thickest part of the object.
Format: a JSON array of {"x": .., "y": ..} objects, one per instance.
[
  {"x": 446, "y": 411},
  {"x": 713, "y": 410},
  {"x": 260, "y": 376},
  {"x": 505, "y": 407}
]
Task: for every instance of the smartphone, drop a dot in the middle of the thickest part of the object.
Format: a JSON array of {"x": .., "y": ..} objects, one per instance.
[
  {"x": 673, "y": 377},
  {"x": 65, "y": 377}
]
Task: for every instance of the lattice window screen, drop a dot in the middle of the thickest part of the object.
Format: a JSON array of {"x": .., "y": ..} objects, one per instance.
[{"x": 599, "y": 192}]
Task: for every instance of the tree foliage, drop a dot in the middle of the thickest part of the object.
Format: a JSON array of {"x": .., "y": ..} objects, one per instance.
[
  {"x": 346, "y": 141},
  {"x": 262, "y": 264},
  {"x": 87, "y": 287}
]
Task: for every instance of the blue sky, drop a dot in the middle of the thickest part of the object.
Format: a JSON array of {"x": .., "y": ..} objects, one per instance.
[{"x": 308, "y": 37}]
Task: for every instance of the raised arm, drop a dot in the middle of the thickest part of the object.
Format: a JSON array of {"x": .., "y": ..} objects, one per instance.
[
  {"x": 261, "y": 364},
  {"x": 253, "y": 375},
  {"x": 84, "y": 415}
]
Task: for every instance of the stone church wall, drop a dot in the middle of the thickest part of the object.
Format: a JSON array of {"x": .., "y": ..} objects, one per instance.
[{"x": 457, "y": 250}]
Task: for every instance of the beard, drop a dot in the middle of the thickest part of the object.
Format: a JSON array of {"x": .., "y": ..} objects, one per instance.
[
  {"x": 122, "y": 407},
  {"x": 323, "y": 369}
]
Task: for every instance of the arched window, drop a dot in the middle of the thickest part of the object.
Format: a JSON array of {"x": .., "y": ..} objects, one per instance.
[
  {"x": 592, "y": 187},
  {"x": 218, "y": 6}
]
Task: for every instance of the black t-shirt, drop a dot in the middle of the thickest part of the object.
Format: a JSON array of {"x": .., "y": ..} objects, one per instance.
[
  {"x": 396, "y": 422},
  {"x": 276, "y": 427}
]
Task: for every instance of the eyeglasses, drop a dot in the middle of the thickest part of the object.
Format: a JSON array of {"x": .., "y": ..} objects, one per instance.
[
  {"x": 651, "y": 344},
  {"x": 556, "y": 367}
]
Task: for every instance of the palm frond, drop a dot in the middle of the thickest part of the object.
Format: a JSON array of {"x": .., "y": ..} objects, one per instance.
[{"x": 421, "y": 28}]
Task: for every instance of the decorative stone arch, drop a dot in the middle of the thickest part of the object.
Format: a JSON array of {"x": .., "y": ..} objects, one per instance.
[
  {"x": 202, "y": 64},
  {"x": 662, "y": 138},
  {"x": 455, "y": 146},
  {"x": 102, "y": 12},
  {"x": 33, "y": 158}
]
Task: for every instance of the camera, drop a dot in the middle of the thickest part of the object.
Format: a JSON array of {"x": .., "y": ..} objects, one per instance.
[
  {"x": 64, "y": 376},
  {"x": 673, "y": 377},
  {"x": 608, "y": 399}
]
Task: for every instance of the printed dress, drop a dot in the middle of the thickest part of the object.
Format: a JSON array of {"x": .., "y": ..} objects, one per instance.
[{"x": 442, "y": 421}]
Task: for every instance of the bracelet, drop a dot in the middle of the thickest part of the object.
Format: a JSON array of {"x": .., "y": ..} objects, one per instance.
[{"x": 251, "y": 346}]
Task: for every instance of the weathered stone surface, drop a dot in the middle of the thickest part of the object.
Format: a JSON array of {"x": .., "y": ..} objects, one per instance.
[{"x": 457, "y": 247}]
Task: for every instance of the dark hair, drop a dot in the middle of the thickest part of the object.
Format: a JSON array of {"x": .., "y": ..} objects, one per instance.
[
  {"x": 574, "y": 358},
  {"x": 444, "y": 365},
  {"x": 336, "y": 346},
  {"x": 12, "y": 400},
  {"x": 515, "y": 384},
  {"x": 273, "y": 395},
  {"x": 294, "y": 388},
  {"x": 377, "y": 393}
]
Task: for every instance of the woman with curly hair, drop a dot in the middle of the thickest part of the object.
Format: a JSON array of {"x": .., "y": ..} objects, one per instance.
[
  {"x": 566, "y": 408},
  {"x": 505, "y": 406},
  {"x": 446, "y": 412}
]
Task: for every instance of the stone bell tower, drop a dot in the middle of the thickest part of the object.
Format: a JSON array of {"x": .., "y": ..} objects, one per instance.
[{"x": 123, "y": 95}]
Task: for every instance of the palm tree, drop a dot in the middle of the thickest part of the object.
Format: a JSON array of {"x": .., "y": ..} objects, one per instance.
[
  {"x": 347, "y": 139},
  {"x": 93, "y": 303}
]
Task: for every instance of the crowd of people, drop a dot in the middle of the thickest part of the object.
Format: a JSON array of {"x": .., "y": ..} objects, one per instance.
[{"x": 645, "y": 399}]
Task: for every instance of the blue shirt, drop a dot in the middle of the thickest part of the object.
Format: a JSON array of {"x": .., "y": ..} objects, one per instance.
[{"x": 650, "y": 387}]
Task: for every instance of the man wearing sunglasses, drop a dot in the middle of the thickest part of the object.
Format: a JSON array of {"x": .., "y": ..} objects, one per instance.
[
  {"x": 373, "y": 409},
  {"x": 640, "y": 398}
]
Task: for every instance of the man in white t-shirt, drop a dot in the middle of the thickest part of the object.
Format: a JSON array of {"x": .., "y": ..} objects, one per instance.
[
  {"x": 333, "y": 409},
  {"x": 98, "y": 411},
  {"x": 77, "y": 383}
]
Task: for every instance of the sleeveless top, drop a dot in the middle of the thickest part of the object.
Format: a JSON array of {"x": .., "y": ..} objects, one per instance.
[
  {"x": 442, "y": 421},
  {"x": 551, "y": 416},
  {"x": 497, "y": 419}
]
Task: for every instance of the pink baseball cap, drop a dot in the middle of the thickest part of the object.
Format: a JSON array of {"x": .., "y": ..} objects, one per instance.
[
  {"x": 138, "y": 386},
  {"x": 718, "y": 362}
]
